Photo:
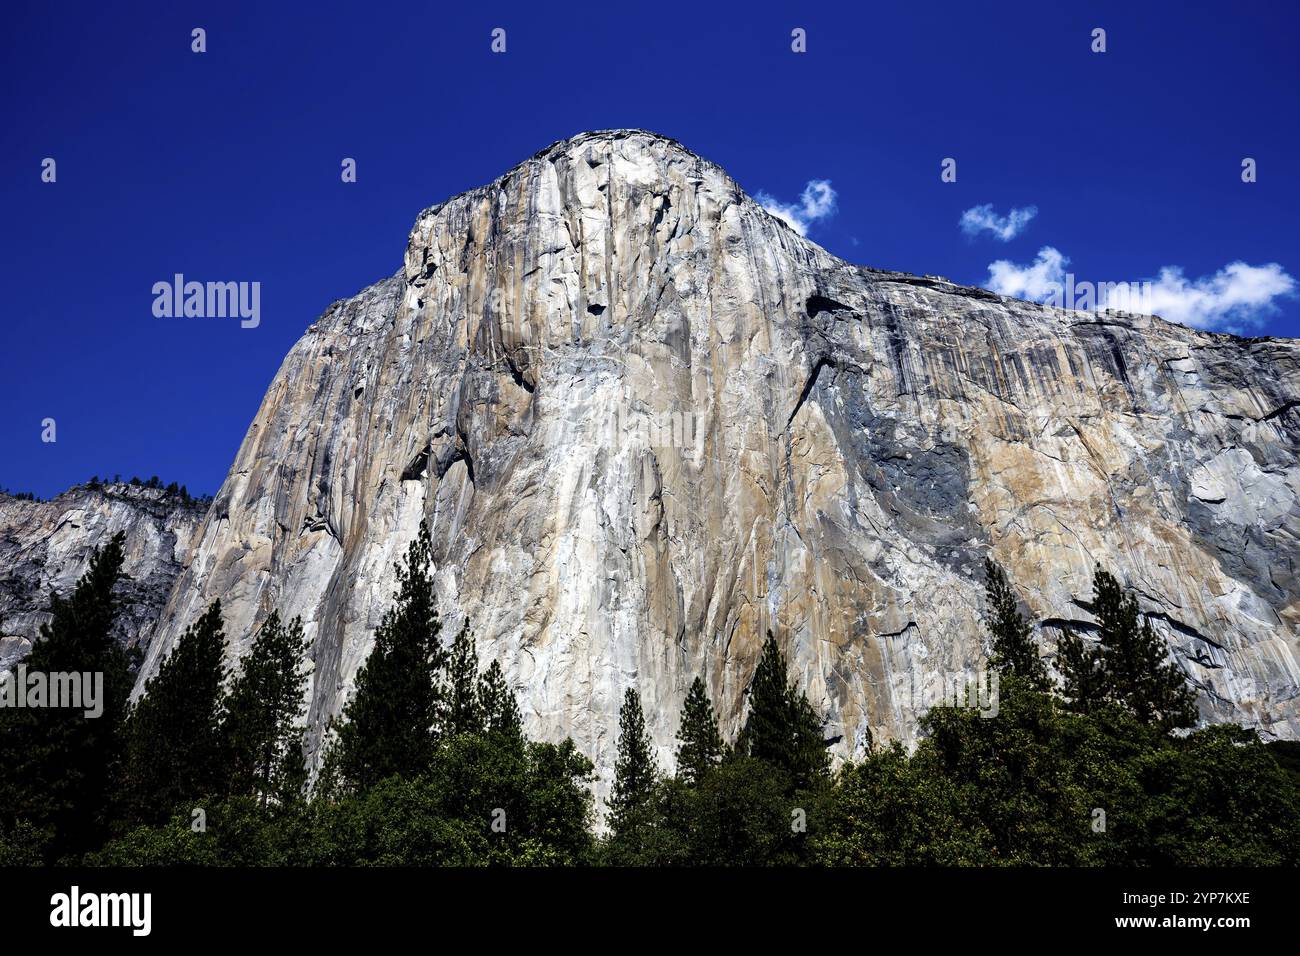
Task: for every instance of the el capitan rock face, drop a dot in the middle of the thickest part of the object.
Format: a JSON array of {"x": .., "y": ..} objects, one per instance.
[{"x": 648, "y": 423}]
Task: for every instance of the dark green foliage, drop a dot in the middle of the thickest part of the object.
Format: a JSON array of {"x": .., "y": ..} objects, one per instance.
[
  {"x": 528, "y": 799},
  {"x": 394, "y": 823},
  {"x": 723, "y": 807},
  {"x": 477, "y": 703},
  {"x": 261, "y": 739},
  {"x": 444, "y": 818},
  {"x": 172, "y": 489},
  {"x": 782, "y": 728},
  {"x": 1287, "y": 755},
  {"x": 497, "y": 704},
  {"x": 1014, "y": 652},
  {"x": 635, "y": 773},
  {"x": 701, "y": 746},
  {"x": 1083, "y": 674},
  {"x": 24, "y": 845},
  {"x": 742, "y": 814},
  {"x": 1127, "y": 666},
  {"x": 483, "y": 795},
  {"x": 1140, "y": 678},
  {"x": 1014, "y": 777},
  {"x": 391, "y": 724},
  {"x": 1216, "y": 797},
  {"x": 1031, "y": 781},
  {"x": 1040, "y": 785},
  {"x": 890, "y": 810},
  {"x": 464, "y": 708},
  {"x": 60, "y": 767},
  {"x": 174, "y": 741}
]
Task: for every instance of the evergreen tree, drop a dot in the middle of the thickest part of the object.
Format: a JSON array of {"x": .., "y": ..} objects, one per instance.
[
  {"x": 60, "y": 766},
  {"x": 701, "y": 746},
  {"x": 390, "y": 725},
  {"x": 1127, "y": 666},
  {"x": 174, "y": 731},
  {"x": 1082, "y": 673},
  {"x": 812, "y": 760},
  {"x": 1138, "y": 675},
  {"x": 782, "y": 728},
  {"x": 635, "y": 772},
  {"x": 262, "y": 739},
  {"x": 464, "y": 711},
  {"x": 1014, "y": 651},
  {"x": 497, "y": 704}
]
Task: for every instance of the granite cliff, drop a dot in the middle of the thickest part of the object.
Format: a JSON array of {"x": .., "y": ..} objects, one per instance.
[
  {"x": 45, "y": 546},
  {"x": 648, "y": 423}
]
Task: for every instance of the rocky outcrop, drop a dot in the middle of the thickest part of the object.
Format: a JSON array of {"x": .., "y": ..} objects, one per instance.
[
  {"x": 648, "y": 423},
  {"x": 45, "y": 546}
]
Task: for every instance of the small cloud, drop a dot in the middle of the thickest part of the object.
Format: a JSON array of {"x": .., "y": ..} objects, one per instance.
[
  {"x": 1036, "y": 281},
  {"x": 817, "y": 202},
  {"x": 1236, "y": 298},
  {"x": 979, "y": 219}
]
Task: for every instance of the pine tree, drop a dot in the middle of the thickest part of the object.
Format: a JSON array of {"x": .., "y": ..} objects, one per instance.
[
  {"x": 390, "y": 725},
  {"x": 1127, "y": 666},
  {"x": 766, "y": 734},
  {"x": 261, "y": 736},
  {"x": 782, "y": 728},
  {"x": 464, "y": 713},
  {"x": 1082, "y": 673},
  {"x": 701, "y": 746},
  {"x": 174, "y": 731},
  {"x": 497, "y": 704},
  {"x": 1138, "y": 676},
  {"x": 812, "y": 760},
  {"x": 1156, "y": 689},
  {"x": 60, "y": 767},
  {"x": 1014, "y": 651},
  {"x": 635, "y": 771}
]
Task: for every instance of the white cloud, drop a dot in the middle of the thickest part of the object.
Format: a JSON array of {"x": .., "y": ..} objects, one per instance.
[
  {"x": 979, "y": 219},
  {"x": 817, "y": 202},
  {"x": 1237, "y": 298},
  {"x": 1036, "y": 281}
]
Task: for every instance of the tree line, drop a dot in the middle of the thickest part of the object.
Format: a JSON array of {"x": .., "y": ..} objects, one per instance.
[
  {"x": 172, "y": 489},
  {"x": 428, "y": 763},
  {"x": 155, "y": 483}
]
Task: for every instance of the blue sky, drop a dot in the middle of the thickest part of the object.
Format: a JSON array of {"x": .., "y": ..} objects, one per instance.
[{"x": 225, "y": 166}]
